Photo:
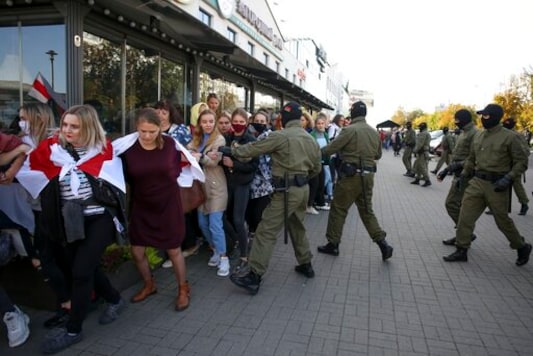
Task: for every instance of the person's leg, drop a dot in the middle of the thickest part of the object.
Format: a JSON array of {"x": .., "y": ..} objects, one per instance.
[
  {"x": 313, "y": 186},
  {"x": 296, "y": 227},
  {"x": 319, "y": 192},
  {"x": 241, "y": 196},
  {"x": 16, "y": 321},
  {"x": 364, "y": 207},
  {"x": 344, "y": 196},
  {"x": 217, "y": 232}
]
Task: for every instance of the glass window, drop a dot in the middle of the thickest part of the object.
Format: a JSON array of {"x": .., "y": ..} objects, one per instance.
[
  {"x": 251, "y": 48},
  {"x": 19, "y": 66},
  {"x": 265, "y": 58},
  {"x": 230, "y": 95},
  {"x": 277, "y": 67},
  {"x": 287, "y": 73},
  {"x": 205, "y": 17},
  {"x": 232, "y": 35}
]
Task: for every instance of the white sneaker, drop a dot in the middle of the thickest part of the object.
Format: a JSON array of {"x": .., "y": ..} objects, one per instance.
[
  {"x": 323, "y": 207},
  {"x": 223, "y": 267},
  {"x": 214, "y": 261},
  {"x": 167, "y": 264},
  {"x": 17, "y": 327},
  {"x": 311, "y": 210}
]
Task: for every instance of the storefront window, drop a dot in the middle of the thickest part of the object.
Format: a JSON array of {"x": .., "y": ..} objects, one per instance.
[
  {"x": 23, "y": 55},
  {"x": 231, "y": 95}
]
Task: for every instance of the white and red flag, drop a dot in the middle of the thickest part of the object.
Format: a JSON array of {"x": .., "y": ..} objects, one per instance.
[{"x": 43, "y": 92}]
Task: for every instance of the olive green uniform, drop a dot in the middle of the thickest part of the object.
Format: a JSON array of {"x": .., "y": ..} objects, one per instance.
[
  {"x": 358, "y": 145},
  {"x": 460, "y": 153},
  {"x": 294, "y": 152},
  {"x": 421, "y": 149},
  {"x": 448, "y": 143},
  {"x": 495, "y": 152},
  {"x": 518, "y": 187},
  {"x": 409, "y": 141}
]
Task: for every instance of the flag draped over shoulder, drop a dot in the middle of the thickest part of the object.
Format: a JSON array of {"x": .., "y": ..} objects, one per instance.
[
  {"x": 50, "y": 160},
  {"x": 190, "y": 169},
  {"x": 43, "y": 92}
]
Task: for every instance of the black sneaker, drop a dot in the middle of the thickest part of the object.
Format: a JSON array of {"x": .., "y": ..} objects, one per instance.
[
  {"x": 58, "y": 320},
  {"x": 59, "y": 339},
  {"x": 329, "y": 249},
  {"x": 523, "y": 209},
  {"x": 306, "y": 269},
  {"x": 249, "y": 281},
  {"x": 523, "y": 254}
]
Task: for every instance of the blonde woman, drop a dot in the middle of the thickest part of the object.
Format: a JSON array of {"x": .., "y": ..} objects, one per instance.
[
  {"x": 204, "y": 146},
  {"x": 307, "y": 122},
  {"x": 61, "y": 171}
]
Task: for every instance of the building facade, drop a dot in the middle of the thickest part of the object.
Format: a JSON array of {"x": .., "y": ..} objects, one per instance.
[{"x": 122, "y": 55}]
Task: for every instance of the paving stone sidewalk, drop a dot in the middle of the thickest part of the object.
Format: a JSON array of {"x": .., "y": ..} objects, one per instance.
[{"x": 415, "y": 304}]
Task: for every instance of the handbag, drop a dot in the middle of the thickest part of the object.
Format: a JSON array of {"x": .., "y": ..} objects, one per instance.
[{"x": 192, "y": 197}]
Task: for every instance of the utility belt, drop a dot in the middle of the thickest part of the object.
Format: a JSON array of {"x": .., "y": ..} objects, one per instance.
[
  {"x": 351, "y": 169},
  {"x": 297, "y": 180},
  {"x": 491, "y": 177}
]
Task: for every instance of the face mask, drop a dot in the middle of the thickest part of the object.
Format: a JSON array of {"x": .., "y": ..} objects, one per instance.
[
  {"x": 238, "y": 127},
  {"x": 24, "y": 126},
  {"x": 259, "y": 127},
  {"x": 490, "y": 122}
]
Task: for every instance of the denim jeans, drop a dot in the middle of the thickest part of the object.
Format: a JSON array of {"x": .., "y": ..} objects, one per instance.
[
  {"x": 213, "y": 230},
  {"x": 328, "y": 182}
]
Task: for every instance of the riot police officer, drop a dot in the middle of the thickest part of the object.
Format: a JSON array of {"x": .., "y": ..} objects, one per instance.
[
  {"x": 358, "y": 147},
  {"x": 422, "y": 155},
  {"x": 295, "y": 158},
  {"x": 496, "y": 158},
  {"x": 409, "y": 140},
  {"x": 463, "y": 120}
]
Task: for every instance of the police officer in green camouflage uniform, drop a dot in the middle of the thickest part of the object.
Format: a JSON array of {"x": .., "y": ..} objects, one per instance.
[
  {"x": 496, "y": 158},
  {"x": 463, "y": 120},
  {"x": 422, "y": 155},
  {"x": 297, "y": 155},
  {"x": 409, "y": 139},
  {"x": 358, "y": 147},
  {"x": 518, "y": 187}
]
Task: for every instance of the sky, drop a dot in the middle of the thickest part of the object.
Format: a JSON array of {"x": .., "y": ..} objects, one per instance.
[{"x": 417, "y": 54}]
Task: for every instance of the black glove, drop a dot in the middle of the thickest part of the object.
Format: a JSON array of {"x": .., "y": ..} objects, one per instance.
[
  {"x": 455, "y": 167},
  {"x": 461, "y": 182},
  {"x": 226, "y": 151},
  {"x": 502, "y": 184},
  {"x": 442, "y": 174}
]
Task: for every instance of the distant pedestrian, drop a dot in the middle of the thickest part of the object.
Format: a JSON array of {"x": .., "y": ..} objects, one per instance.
[
  {"x": 496, "y": 158},
  {"x": 447, "y": 145}
]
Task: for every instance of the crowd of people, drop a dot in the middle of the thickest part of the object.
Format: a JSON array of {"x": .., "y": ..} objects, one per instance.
[{"x": 71, "y": 192}]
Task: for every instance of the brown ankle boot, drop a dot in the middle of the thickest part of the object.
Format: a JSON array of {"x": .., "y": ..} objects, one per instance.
[
  {"x": 182, "y": 301},
  {"x": 148, "y": 289}
]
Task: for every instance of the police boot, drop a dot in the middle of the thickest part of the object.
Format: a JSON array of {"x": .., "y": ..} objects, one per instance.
[
  {"x": 416, "y": 181},
  {"x": 523, "y": 254},
  {"x": 523, "y": 209},
  {"x": 451, "y": 242},
  {"x": 386, "y": 249},
  {"x": 329, "y": 249},
  {"x": 460, "y": 255},
  {"x": 427, "y": 183},
  {"x": 434, "y": 171},
  {"x": 248, "y": 280},
  {"x": 306, "y": 269}
]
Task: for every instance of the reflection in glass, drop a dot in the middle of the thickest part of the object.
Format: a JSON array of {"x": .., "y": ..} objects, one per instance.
[{"x": 19, "y": 65}]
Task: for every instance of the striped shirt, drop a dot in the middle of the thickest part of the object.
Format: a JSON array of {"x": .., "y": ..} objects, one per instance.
[{"x": 84, "y": 192}]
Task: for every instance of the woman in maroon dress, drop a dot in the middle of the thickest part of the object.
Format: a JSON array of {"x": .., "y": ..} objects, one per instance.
[{"x": 152, "y": 166}]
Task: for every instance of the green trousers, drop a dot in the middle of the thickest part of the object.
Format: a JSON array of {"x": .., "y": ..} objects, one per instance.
[
  {"x": 420, "y": 167},
  {"x": 453, "y": 201},
  {"x": 349, "y": 190},
  {"x": 520, "y": 192},
  {"x": 444, "y": 158},
  {"x": 406, "y": 158},
  {"x": 478, "y": 195},
  {"x": 272, "y": 222}
]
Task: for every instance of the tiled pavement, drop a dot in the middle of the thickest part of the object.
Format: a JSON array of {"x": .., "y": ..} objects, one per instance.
[{"x": 415, "y": 304}]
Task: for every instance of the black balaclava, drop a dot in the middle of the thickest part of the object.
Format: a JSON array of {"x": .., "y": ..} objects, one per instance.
[
  {"x": 423, "y": 126},
  {"x": 509, "y": 123},
  {"x": 462, "y": 118},
  {"x": 494, "y": 113},
  {"x": 291, "y": 111}
]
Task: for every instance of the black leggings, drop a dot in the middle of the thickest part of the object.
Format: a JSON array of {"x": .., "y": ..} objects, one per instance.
[
  {"x": 6, "y": 305},
  {"x": 238, "y": 196},
  {"x": 85, "y": 256},
  {"x": 254, "y": 211}
]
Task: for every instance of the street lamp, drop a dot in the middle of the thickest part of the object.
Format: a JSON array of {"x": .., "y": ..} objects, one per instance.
[{"x": 52, "y": 53}]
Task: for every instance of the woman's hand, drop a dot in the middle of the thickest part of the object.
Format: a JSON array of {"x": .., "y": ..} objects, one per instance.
[{"x": 227, "y": 161}]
